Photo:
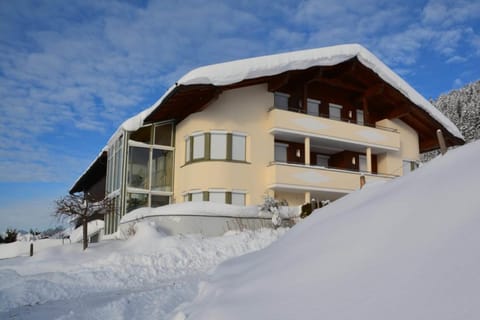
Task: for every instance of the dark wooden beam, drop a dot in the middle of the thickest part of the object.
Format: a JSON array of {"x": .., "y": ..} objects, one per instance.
[
  {"x": 374, "y": 90},
  {"x": 340, "y": 84},
  {"x": 398, "y": 111},
  {"x": 279, "y": 81}
]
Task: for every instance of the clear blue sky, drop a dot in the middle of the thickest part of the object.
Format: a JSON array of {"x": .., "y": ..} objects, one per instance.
[{"x": 72, "y": 71}]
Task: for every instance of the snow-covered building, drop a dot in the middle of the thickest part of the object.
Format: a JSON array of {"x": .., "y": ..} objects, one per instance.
[{"x": 300, "y": 126}]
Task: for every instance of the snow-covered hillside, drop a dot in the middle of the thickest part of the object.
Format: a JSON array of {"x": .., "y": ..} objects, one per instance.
[
  {"x": 407, "y": 249},
  {"x": 144, "y": 277}
]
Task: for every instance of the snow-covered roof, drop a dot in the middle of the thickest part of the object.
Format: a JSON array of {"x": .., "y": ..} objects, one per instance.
[{"x": 228, "y": 73}]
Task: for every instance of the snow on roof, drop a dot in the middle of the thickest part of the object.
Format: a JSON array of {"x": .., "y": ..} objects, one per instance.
[
  {"x": 236, "y": 71},
  {"x": 233, "y": 72}
]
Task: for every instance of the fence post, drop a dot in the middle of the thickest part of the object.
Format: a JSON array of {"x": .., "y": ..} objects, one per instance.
[
  {"x": 362, "y": 181},
  {"x": 441, "y": 142},
  {"x": 31, "y": 249}
]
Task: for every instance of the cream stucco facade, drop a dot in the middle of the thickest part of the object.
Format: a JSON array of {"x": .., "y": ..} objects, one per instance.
[{"x": 250, "y": 111}]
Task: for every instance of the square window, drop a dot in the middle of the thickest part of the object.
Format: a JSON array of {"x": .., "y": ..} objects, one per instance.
[
  {"x": 199, "y": 146},
  {"x": 238, "y": 147},
  {"x": 218, "y": 146}
]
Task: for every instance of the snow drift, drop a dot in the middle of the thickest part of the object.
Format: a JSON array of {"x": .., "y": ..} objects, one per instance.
[{"x": 407, "y": 249}]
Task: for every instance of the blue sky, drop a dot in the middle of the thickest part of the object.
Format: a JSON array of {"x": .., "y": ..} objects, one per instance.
[{"x": 72, "y": 71}]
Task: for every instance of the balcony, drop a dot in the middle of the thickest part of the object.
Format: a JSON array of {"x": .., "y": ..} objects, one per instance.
[
  {"x": 298, "y": 177},
  {"x": 324, "y": 130}
]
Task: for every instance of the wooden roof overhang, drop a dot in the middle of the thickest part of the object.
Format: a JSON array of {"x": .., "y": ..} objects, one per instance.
[
  {"x": 350, "y": 78},
  {"x": 94, "y": 173}
]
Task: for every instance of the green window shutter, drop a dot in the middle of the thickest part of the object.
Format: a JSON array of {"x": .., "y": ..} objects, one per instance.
[
  {"x": 205, "y": 196},
  {"x": 207, "y": 146},
  {"x": 229, "y": 146},
  {"x": 228, "y": 197},
  {"x": 191, "y": 148},
  {"x": 190, "y": 197}
]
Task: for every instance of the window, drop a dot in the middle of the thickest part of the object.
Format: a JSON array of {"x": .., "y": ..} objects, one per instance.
[
  {"x": 163, "y": 134},
  {"x": 335, "y": 111},
  {"x": 238, "y": 147},
  {"x": 198, "y": 147},
  {"x": 217, "y": 196},
  {"x": 360, "y": 118},
  {"x": 238, "y": 198},
  {"x": 138, "y": 167},
  {"x": 281, "y": 152},
  {"x": 280, "y": 100},
  {"x": 312, "y": 107},
  {"x": 187, "y": 150},
  {"x": 158, "y": 201},
  {"x": 218, "y": 146},
  {"x": 162, "y": 171},
  {"x": 136, "y": 200},
  {"x": 197, "y": 196},
  {"x": 142, "y": 135},
  {"x": 362, "y": 163},
  {"x": 322, "y": 160}
]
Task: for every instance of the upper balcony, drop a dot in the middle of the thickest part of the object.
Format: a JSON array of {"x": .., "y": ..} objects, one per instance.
[{"x": 330, "y": 130}]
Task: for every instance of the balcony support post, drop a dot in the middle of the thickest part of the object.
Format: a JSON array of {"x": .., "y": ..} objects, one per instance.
[
  {"x": 307, "y": 151},
  {"x": 369, "y": 159},
  {"x": 308, "y": 197}
]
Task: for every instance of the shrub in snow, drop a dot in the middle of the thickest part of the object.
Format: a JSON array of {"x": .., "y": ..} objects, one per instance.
[
  {"x": 10, "y": 236},
  {"x": 307, "y": 208},
  {"x": 271, "y": 205}
]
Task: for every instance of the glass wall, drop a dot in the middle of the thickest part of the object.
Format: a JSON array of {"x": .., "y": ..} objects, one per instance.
[
  {"x": 138, "y": 167},
  {"x": 162, "y": 170}
]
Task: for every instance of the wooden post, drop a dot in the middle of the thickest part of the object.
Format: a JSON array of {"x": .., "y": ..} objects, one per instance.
[
  {"x": 441, "y": 142},
  {"x": 31, "y": 249},
  {"x": 307, "y": 151},
  {"x": 362, "y": 181}
]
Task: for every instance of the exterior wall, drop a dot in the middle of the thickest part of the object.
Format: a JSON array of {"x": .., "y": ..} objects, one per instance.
[
  {"x": 241, "y": 110},
  {"x": 391, "y": 162}
]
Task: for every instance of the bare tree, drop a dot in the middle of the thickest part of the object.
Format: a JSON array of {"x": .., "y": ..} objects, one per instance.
[{"x": 79, "y": 207}]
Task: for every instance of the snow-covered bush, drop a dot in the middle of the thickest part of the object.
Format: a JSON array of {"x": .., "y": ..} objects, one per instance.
[{"x": 271, "y": 205}]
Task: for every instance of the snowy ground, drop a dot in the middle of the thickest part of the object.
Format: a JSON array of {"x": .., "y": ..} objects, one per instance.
[
  {"x": 405, "y": 249},
  {"x": 146, "y": 276}
]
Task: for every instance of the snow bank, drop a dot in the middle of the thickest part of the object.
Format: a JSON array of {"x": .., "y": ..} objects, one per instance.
[
  {"x": 22, "y": 248},
  {"x": 205, "y": 209},
  {"x": 147, "y": 276},
  {"x": 406, "y": 249}
]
